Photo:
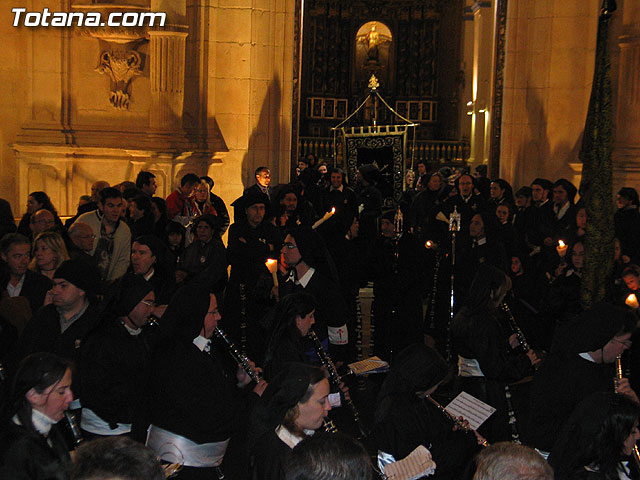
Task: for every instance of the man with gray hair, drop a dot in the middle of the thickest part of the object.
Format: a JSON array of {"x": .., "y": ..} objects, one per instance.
[{"x": 509, "y": 461}]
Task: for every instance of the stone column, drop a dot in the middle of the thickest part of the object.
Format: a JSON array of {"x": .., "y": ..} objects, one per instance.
[
  {"x": 481, "y": 81},
  {"x": 626, "y": 157},
  {"x": 167, "y": 66}
]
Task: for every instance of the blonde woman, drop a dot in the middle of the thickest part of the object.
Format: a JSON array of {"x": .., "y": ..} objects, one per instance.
[{"x": 48, "y": 252}]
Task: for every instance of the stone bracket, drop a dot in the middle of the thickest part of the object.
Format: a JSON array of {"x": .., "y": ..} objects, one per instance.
[{"x": 122, "y": 65}]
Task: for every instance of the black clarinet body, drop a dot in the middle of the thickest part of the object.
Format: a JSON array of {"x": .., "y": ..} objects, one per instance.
[
  {"x": 334, "y": 379},
  {"x": 242, "y": 359},
  {"x": 73, "y": 428}
]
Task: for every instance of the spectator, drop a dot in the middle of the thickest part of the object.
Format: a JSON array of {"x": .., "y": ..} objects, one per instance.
[
  {"x": 112, "y": 245},
  {"x": 14, "y": 250},
  {"x": 48, "y": 253},
  {"x": 178, "y": 205},
  {"x": 146, "y": 181}
]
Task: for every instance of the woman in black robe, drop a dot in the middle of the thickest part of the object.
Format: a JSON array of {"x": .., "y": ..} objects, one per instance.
[
  {"x": 293, "y": 320},
  {"x": 196, "y": 398},
  {"x": 31, "y": 445},
  {"x": 487, "y": 361},
  {"x": 405, "y": 418},
  {"x": 597, "y": 441},
  {"x": 293, "y": 406}
]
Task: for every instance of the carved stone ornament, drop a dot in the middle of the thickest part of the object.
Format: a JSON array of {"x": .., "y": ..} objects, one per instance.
[{"x": 121, "y": 66}]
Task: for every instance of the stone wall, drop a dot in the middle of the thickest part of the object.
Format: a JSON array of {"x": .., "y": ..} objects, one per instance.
[{"x": 211, "y": 94}]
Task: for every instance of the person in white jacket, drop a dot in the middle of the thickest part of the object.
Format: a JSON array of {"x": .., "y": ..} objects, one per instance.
[{"x": 112, "y": 242}]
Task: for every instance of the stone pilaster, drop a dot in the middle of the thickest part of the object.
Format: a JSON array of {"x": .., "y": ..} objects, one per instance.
[{"x": 167, "y": 68}]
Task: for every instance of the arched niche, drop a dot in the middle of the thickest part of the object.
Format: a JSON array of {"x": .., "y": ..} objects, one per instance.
[{"x": 373, "y": 54}]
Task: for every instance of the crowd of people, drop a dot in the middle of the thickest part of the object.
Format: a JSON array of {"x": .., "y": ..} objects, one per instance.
[{"x": 116, "y": 328}]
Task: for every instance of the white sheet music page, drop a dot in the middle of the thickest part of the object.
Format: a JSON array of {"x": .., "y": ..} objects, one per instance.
[
  {"x": 415, "y": 465},
  {"x": 471, "y": 409}
]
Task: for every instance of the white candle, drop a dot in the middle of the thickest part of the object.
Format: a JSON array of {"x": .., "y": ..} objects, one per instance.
[
  {"x": 272, "y": 265},
  {"x": 326, "y": 217}
]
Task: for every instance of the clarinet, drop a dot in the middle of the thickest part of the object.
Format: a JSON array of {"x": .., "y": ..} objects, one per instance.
[
  {"x": 73, "y": 428},
  {"x": 515, "y": 328},
  {"x": 329, "y": 426},
  {"x": 456, "y": 421},
  {"x": 434, "y": 289},
  {"x": 242, "y": 360},
  {"x": 515, "y": 435},
  {"x": 243, "y": 318},
  {"x": 334, "y": 378},
  {"x": 635, "y": 454}
]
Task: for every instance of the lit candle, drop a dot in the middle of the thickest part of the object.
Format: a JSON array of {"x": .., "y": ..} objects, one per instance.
[
  {"x": 272, "y": 265},
  {"x": 632, "y": 301},
  {"x": 562, "y": 248},
  {"x": 326, "y": 217},
  {"x": 429, "y": 244}
]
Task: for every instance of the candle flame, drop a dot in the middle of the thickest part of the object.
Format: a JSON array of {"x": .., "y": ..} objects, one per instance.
[
  {"x": 632, "y": 301},
  {"x": 333, "y": 210},
  {"x": 561, "y": 243},
  {"x": 271, "y": 264},
  {"x": 429, "y": 244}
]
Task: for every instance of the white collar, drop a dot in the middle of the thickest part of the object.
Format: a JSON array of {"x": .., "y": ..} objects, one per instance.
[
  {"x": 149, "y": 274},
  {"x": 562, "y": 210},
  {"x": 290, "y": 439},
  {"x": 587, "y": 357},
  {"x": 202, "y": 343},
  {"x": 41, "y": 422},
  {"x": 306, "y": 278},
  {"x": 132, "y": 331},
  {"x": 481, "y": 241}
]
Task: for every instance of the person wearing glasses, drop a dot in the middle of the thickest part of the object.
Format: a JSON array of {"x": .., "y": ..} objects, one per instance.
[
  {"x": 114, "y": 359},
  {"x": 197, "y": 398},
  {"x": 311, "y": 270},
  {"x": 581, "y": 361}
]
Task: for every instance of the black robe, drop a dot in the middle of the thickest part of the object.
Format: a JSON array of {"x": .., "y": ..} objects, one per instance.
[
  {"x": 410, "y": 421},
  {"x": 482, "y": 337},
  {"x": 559, "y": 385},
  {"x": 268, "y": 456},
  {"x": 27, "y": 456}
]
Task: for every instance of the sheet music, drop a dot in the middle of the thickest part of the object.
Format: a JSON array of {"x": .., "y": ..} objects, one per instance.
[
  {"x": 471, "y": 409},
  {"x": 368, "y": 365},
  {"x": 415, "y": 465}
]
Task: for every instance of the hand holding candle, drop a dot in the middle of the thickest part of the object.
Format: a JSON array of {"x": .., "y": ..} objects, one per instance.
[
  {"x": 326, "y": 217},
  {"x": 272, "y": 265},
  {"x": 632, "y": 301},
  {"x": 561, "y": 248}
]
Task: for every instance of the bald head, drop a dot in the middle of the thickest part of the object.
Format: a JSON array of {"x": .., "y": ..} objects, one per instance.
[
  {"x": 82, "y": 236},
  {"x": 96, "y": 188},
  {"x": 41, "y": 220}
]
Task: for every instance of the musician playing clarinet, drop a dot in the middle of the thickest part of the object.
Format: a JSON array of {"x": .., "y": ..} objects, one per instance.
[
  {"x": 405, "y": 418},
  {"x": 487, "y": 361},
  {"x": 581, "y": 362},
  {"x": 294, "y": 405},
  {"x": 196, "y": 401}
]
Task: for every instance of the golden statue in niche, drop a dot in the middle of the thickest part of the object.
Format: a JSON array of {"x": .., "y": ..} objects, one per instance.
[
  {"x": 373, "y": 44},
  {"x": 372, "y": 40}
]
